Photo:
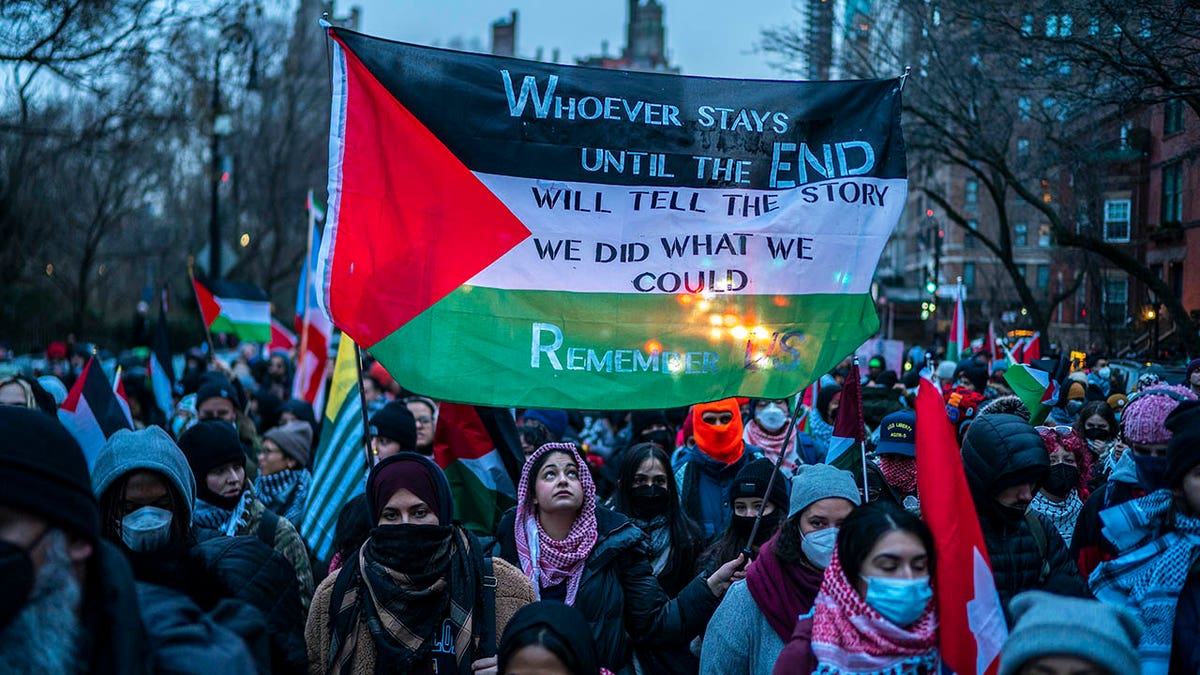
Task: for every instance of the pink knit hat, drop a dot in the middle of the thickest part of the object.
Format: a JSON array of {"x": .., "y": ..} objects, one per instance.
[{"x": 1144, "y": 416}]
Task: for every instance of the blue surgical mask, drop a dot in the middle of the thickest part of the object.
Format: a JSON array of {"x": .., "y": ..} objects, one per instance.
[
  {"x": 901, "y": 601},
  {"x": 818, "y": 546},
  {"x": 1152, "y": 471}
]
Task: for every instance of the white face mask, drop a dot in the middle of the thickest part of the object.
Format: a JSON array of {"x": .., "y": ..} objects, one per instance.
[
  {"x": 147, "y": 529},
  {"x": 818, "y": 546},
  {"x": 772, "y": 417}
]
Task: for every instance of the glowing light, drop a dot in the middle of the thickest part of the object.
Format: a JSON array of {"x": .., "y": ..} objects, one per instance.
[
  {"x": 739, "y": 332},
  {"x": 731, "y": 320},
  {"x": 907, "y": 366},
  {"x": 760, "y": 333},
  {"x": 703, "y": 305},
  {"x": 1024, "y": 312},
  {"x": 652, "y": 346},
  {"x": 715, "y": 333},
  {"x": 49, "y": 269},
  {"x": 244, "y": 240},
  {"x": 780, "y": 301},
  {"x": 684, "y": 299},
  {"x": 715, "y": 319}
]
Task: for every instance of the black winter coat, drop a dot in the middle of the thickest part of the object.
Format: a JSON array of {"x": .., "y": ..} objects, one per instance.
[
  {"x": 254, "y": 573},
  {"x": 619, "y": 596},
  {"x": 1005, "y": 450},
  {"x": 111, "y": 617},
  {"x": 1185, "y": 643}
]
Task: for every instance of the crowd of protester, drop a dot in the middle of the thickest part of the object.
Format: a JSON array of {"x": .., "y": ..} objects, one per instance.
[{"x": 710, "y": 539}]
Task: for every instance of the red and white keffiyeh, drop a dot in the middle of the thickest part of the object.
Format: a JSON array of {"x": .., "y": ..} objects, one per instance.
[
  {"x": 849, "y": 636},
  {"x": 545, "y": 561}
]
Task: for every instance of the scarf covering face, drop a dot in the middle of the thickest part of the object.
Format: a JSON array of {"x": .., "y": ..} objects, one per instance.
[
  {"x": 226, "y": 521},
  {"x": 1063, "y": 515},
  {"x": 849, "y": 636},
  {"x": 722, "y": 442},
  {"x": 410, "y": 583},
  {"x": 286, "y": 491},
  {"x": 900, "y": 472},
  {"x": 772, "y": 444},
  {"x": 545, "y": 561},
  {"x": 1151, "y": 570},
  {"x": 782, "y": 591}
]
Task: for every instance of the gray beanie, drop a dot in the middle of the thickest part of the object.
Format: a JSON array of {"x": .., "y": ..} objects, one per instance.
[
  {"x": 1054, "y": 625},
  {"x": 294, "y": 439},
  {"x": 150, "y": 449},
  {"x": 814, "y": 482}
]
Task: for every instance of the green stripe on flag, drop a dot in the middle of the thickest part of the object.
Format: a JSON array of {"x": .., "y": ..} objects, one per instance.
[
  {"x": 477, "y": 502},
  {"x": 622, "y": 351},
  {"x": 1030, "y": 385}
]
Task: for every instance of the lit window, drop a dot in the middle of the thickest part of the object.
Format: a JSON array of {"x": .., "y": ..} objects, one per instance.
[
  {"x": 1044, "y": 236},
  {"x": 1021, "y": 234}
]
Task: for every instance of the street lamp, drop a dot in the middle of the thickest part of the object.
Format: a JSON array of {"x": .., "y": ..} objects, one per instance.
[{"x": 234, "y": 35}]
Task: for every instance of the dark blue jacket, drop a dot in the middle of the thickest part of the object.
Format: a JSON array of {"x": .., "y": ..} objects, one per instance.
[{"x": 704, "y": 485}]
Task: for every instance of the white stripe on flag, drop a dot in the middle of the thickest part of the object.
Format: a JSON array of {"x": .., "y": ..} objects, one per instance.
[
  {"x": 84, "y": 427},
  {"x": 337, "y": 476},
  {"x": 245, "y": 311}
]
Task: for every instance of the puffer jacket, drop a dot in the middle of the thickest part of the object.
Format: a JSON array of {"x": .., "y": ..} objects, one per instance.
[
  {"x": 1000, "y": 451},
  {"x": 111, "y": 617},
  {"x": 260, "y": 576},
  {"x": 619, "y": 596}
]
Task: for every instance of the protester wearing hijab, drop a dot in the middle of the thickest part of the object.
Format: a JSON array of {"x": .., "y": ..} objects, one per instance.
[
  {"x": 768, "y": 429},
  {"x": 283, "y": 474},
  {"x": 1061, "y": 496},
  {"x": 1157, "y": 538},
  {"x": 875, "y": 613},
  {"x": 706, "y": 471},
  {"x": 227, "y": 503},
  {"x": 758, "y": 615},
  {"x": 414, "y": 597},
  {"x": 748, "y": 492},
  {"x": 1139, "y": 472},
  {"x": 594, "y": 560},
  {"x": 548, "y": 638}
]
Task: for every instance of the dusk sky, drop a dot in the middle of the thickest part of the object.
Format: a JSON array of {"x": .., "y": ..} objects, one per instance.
[{"x": 704, "y": 37}]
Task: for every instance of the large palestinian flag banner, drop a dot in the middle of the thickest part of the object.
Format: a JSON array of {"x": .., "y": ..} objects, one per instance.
[{"x": 506, "y": 232}]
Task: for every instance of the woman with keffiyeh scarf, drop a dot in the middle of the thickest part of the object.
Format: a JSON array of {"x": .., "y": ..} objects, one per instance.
[
  {"x": 595, "y": 560},
  {"x": 874, "y": 614},
  {"x": 411, "y": 599},
  {"x": 1065, "y": 489}
]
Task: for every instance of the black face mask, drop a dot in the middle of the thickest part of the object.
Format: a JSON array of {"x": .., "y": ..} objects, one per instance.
[
  {"x": 1011, "y": 514},
  {"x": 1096, "y": 434},
  {"x": 16, "y": 569},
  {"x": 743, "y": 524},
  {"x": 410, "y": 548},
  {"x": 648, "y": 501},
  {"x": 1061, "y": 479},
  {"x": 663, "y": 438}
]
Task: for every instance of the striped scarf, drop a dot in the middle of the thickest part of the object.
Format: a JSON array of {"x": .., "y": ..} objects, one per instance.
[
  {"x": 772, "y": 444},
  {"x": 546, "y": 561},
  {"x": 849, "y": 636},
  {"x": 1151, "y": 569},
  {"x": 285, "y": 493},
  {"x": 1063, "y": 514}
]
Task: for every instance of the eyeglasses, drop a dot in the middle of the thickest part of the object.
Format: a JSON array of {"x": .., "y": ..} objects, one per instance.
[
  {"x": 423, "y": 421},
  {"x": 1060, "y": 429}
]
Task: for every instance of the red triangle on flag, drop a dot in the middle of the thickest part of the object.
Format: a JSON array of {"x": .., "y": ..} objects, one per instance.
[
  {"x": 209, "y": 309},
  {"x": 412, "y": 222}
]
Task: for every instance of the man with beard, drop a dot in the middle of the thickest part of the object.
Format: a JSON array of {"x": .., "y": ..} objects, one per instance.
[{"x": 68, "y": 602}]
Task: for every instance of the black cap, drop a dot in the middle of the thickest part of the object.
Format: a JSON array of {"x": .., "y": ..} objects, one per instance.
[
  {"x": 394, "y": 421},
  {"x": 43, "y": 472},
  {"x": 207, "y": 445},
  {"x": 1183, "y": 450},
  {"x": 216, "y": 388}
]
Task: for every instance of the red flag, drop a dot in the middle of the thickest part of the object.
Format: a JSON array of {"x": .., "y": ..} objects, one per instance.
[
  {"x": 993, "y": 346},
  {"x": 480, "y": 451},
  {"x": 972, "y": 622},
  {"x": 281, "y": 338},
  {"x": 846, "y": 444},
  {"x": 1033, "y": 349}
]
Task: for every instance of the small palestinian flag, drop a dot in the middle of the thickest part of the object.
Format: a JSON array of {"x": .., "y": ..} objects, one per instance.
[
  {"x": 480, "y": 451},
  {"x": 230, "y": 307},
  {"x": 92, "y": 412}
]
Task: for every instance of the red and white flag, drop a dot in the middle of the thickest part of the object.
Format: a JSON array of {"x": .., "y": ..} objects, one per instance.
[
  {"x": 1033, "y": 349},
  {"x": 972, "y": 622},
  {"x": 282, "y": 337},
  {"x": 312, "y": 325}
]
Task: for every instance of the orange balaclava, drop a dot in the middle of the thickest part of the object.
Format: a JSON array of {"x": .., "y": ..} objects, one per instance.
[{"x": 722, "y": 442}]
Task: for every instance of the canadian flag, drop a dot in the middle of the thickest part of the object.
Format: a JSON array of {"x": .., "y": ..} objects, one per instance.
[{"x": 972, "y": 622}]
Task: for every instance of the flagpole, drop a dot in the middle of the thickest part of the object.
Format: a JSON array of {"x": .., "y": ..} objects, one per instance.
[
  {"x": 300, "y": 357},
  {"x": 862, "y": 444},
  {"x": 362, "y": 400},
  {"x": 212, "y": 353},
  {"x": 762, "y": 504}
]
